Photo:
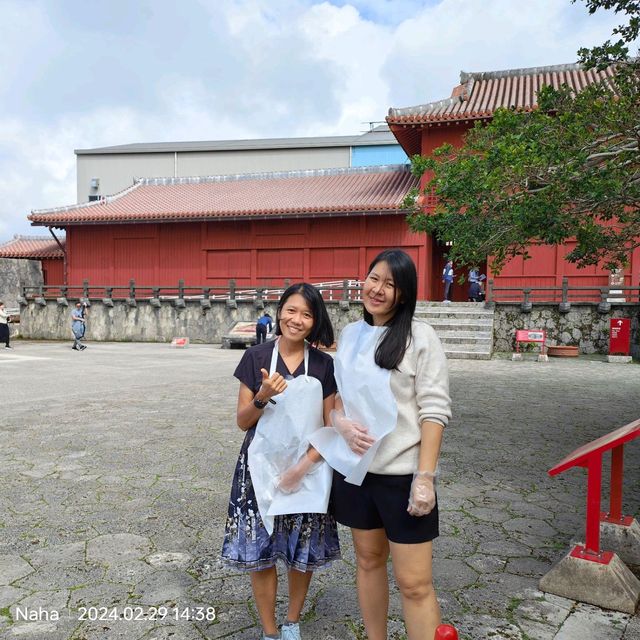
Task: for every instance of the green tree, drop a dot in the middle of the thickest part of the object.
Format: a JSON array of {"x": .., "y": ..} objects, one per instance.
[{"x": 569, "y": 169}]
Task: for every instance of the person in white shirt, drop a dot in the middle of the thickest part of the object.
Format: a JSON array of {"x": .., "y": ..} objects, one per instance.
[{"x": 4, "y": 327}]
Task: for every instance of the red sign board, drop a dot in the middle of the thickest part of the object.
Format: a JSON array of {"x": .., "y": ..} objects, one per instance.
[
  {"x": 526, "y": 335},
  {"x": 619, "y": 336}
]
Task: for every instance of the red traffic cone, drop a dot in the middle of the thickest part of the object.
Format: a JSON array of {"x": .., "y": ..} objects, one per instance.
[{"x": 446, "y": 632}]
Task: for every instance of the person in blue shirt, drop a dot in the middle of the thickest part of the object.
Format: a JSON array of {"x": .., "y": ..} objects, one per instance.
[
  {"x": 263, "y": 326},
  {"x": 78, "y": 326},
  {"x": 447, "y": 278}
]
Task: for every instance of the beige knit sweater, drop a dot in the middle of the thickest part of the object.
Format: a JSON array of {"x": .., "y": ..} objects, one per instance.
[{"x": 420, "y": 386}]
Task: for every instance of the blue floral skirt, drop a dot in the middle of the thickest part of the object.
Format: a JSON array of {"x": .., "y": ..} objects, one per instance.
[{"x": 304, "y": 541}]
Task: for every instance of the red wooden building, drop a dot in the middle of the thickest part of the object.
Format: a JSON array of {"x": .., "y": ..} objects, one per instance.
[
  {"x": 46, "y": 250},
  {"x": 423, "y": 128},
  {"x": 259, "y": 229},
  {"x": 317, "y": 225}
]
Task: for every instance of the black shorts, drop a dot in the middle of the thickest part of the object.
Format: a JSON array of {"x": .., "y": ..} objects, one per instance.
[{"x": 381, "y": 503}]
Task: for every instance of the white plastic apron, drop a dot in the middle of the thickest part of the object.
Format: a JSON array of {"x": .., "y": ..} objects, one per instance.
[
  {"x": 281, "y": 439},
  {"x": 365, "y": 389}
]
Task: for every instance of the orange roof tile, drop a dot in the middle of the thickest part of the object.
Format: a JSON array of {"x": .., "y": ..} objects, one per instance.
[
  {"x": 480, "y": 94},
  {"x": 31, "y": 247},
  {"x": 296, "y": 193}
]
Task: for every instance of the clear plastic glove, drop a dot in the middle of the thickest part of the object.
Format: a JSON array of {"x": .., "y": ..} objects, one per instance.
[
  {"x": 355, "y": 435},
  {"x": 422, "y": 498},
  {"x": 290, "y": 480}
]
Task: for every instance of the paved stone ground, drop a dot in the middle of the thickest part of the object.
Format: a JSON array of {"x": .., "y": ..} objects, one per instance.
[{"x": 115, "y": 467}]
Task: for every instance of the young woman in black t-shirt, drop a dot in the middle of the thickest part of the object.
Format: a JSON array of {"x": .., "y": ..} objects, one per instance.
[{"x": 304, "y": 541}]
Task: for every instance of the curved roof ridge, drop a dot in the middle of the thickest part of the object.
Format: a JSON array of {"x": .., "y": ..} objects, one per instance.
[
  {"x": 19, "y": 236},
  {"x": 87, "y": 205},
  {"x": 465, "y": 76},
  {"x": 428, "y": 107},
  {"x": 274, "y": 175}
]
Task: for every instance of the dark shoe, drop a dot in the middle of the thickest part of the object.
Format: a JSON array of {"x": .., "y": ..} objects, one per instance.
[
  {"x": 82, "y": 348},
  {"x": 8, "y": 347}
]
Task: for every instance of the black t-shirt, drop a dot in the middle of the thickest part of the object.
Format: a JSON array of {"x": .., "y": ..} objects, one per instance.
[{"x": 259, "y": 357}]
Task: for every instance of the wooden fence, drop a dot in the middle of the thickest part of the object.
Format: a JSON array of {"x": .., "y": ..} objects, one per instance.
[
  {"x": 564, "y": 295},
  {"x": 347, "y": 290}
]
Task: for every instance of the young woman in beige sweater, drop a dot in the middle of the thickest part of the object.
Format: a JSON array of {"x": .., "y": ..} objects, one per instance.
[{"x": 393, "y": 388}]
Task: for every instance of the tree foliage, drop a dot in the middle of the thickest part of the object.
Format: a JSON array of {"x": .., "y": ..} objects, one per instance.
[
  {"x": 569, "y": 169},
  {"x": 610, "y": 52}
]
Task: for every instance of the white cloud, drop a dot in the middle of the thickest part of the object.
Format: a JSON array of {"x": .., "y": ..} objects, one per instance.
[
  {"x": 458, "y": 35},
  {"x": 214, "y": 69}
]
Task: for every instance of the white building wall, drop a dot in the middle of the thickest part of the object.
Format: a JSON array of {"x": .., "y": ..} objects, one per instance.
[
  {"x": 117, "y": 171},
  {"x": 213, "y": 163}
]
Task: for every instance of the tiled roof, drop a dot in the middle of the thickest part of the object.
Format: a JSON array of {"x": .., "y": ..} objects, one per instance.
[
  {"x": 284, "y": 194},
  {"x": 479, "y": 94},
  {"x": 32, "y": 247}
]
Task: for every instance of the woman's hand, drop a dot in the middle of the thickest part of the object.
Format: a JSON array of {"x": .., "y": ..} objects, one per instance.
[
  {"x": 271, "y": 385},
  {"x": 291, "y": 480},
  {"x": 355, "y": 435},
  {"x": 422, "y": 497}
]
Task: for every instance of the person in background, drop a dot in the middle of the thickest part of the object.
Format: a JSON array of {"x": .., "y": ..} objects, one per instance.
[
  {"x": 78, "y": 322},
  {"x": 263, "y": 326},
  {"x": 475, "y": 293},
  {"x": 4, "y": 327},
  {"x": 447, "y": 278}
]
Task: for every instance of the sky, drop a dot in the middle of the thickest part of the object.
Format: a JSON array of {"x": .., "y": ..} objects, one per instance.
[{"x": 77, "y": 74}]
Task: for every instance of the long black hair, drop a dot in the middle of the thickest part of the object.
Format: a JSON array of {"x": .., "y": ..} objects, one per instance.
[
  {"x": 392, "y": 347},
  {"x": 322, "y": 331}
]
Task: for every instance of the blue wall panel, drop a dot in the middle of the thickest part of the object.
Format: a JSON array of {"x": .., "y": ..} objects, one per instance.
[{"x": 377, "y": 155}]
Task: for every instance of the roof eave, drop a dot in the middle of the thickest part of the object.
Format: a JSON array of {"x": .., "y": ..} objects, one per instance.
[{"x": 231, "y": 217}]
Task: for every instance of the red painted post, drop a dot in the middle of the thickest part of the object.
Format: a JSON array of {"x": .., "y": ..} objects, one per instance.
[
  {"x": 615, "y": 499},
  {"x": 594, "y": 489},
  {"x": 615, "y": 515},
  {"x": 446, "y": 632}
]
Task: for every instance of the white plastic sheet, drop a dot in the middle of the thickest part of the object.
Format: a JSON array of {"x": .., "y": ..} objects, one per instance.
[
  {"x": 365, "y": 389},
  {"x": 282, "y": 437}
]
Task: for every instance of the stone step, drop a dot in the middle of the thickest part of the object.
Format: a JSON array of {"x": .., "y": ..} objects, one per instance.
[
  {"x": 445, "y": 334},
  {"x": 461, "y": 324},
  {"x": 427, "y": 303},
  {"x": 471, "y": 340},
  {"x": 467, "y": 347},
  {"x": 464, "y": 328},
  {"x": 467, "y": 355},
  {"x": 453, "y": 313}
]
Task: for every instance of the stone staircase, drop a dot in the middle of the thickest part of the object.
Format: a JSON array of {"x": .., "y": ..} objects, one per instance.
[{"x": 465, "y": 328}]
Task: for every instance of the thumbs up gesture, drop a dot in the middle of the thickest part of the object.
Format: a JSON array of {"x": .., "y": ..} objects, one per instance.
[{"x": 271, "y": 385}]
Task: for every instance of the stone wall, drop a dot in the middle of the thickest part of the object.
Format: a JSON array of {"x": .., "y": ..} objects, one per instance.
[
  {"x": 583, "y": 325},
  {"x": 146, "y": 323},
  {"x": 13, "y": 274}
]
